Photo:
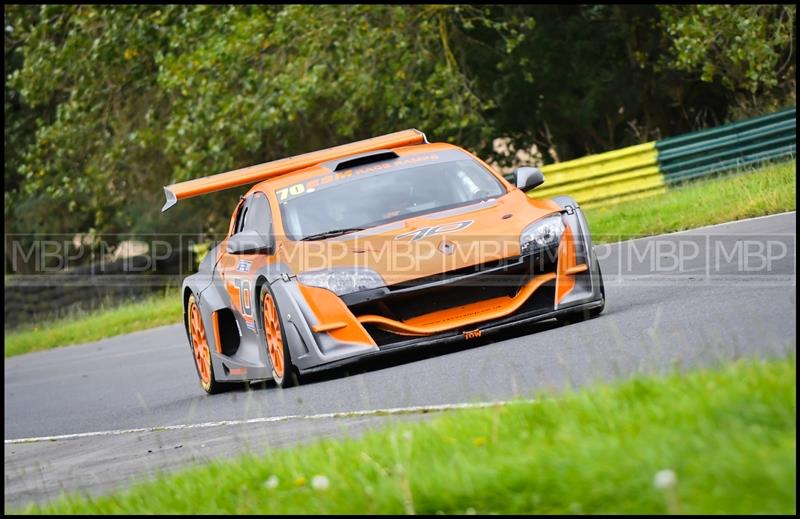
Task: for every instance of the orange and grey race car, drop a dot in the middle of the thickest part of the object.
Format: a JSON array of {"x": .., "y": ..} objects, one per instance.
[{"x": 375, "y": 246}]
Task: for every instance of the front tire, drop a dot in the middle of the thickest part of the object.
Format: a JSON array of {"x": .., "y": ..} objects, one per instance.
[
  {"x": 201, "y": 351},
  {"x": 283, "y": 371}
]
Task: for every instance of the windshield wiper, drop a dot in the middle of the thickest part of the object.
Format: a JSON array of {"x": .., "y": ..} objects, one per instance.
[{"x": 328, "y": 234}]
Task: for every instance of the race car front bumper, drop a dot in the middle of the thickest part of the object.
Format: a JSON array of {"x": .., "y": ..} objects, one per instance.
[
  {"x": 453, "y": 306},
  {"x": 455, "y": 336}
]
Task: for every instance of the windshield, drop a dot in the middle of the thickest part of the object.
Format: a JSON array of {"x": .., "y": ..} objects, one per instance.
[{"x": 382, "y": 192}]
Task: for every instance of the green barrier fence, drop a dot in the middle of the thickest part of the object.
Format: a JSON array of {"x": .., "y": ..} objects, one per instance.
[
  {"x": 650, "y": 168},
  {"x": 729, "y": 146}
]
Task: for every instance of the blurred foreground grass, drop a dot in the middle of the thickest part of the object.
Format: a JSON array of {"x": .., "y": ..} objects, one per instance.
[{"x": 707, "y": 442}]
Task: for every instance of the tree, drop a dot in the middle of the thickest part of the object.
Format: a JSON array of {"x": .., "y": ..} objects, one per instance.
[
  {"x": 150, "y": 95},
  {"x": 749, "y": 49}
]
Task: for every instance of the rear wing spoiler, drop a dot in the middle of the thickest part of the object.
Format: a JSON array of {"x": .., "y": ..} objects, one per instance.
[{"x": 252, "y": 174}]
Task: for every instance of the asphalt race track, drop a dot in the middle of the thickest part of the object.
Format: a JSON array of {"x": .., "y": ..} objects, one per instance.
[{"x": 678, "y": 301}]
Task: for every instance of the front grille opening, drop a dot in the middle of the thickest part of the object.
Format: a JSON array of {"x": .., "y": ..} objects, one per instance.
[
  {"x": 453, "y": 274},
  {"x": 384, "y": 338},
  {"x": 542, "y": 301},
  {"x": 446, "y": 297},
  {"x": 504, "y": 282},
  {"x": 404, "y": 306}
]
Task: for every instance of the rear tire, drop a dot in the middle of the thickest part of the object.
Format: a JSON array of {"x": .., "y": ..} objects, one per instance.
[
  {"x": 201, "y": 352},
  {"x": 284, "y": 373}
]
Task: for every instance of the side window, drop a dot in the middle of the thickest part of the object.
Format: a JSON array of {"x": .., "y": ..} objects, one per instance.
[
  {"x": 245, "y": 210},
  {"x": 258, "y": 216},
  {"x": 240, "y": 216}
]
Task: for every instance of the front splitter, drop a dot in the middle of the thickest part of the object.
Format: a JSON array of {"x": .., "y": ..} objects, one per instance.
[{"x": 455, "y": 336}]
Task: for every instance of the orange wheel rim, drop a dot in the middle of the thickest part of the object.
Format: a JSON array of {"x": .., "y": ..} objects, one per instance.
[
  {"x": 272, "y": 329},
  {"x": 200, "y": 344}
]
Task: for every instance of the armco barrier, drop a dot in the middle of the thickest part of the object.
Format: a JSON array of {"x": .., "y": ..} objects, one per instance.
[
  {"x": 730, "y": 146},
  {"x": 648, "y": 169},
  {"x": 592, "y": 180},
  {"x": 39, "y": 297}
]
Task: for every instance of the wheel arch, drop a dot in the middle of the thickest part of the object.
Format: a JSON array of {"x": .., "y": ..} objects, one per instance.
[
  {"x": 260, "y": 282},
  {"x": 187, "y": 293},
  {"x": 578, "y": 221}
]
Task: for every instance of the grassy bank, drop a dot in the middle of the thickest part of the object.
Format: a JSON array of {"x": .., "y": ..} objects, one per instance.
[
  {"x": 91, "y": 326},
  {"x": 768, "y": 190},
  {"x": 728, "y": 437}
]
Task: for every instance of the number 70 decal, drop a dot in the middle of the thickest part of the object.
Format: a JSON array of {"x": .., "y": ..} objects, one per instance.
[{"x": 243, "y": 285}]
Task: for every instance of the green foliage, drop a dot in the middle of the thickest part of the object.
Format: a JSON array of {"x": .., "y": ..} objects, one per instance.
[
  {"x": 147, "y": 95},
  {"x": 325, "y": 74},
  {"x": 728, "y": 435},
  {"x": 20, "y": 121},
  {"x": 89, "y": 72},
  {"x": 107, "y": 104},
  {"x": 744, "y": 46}
]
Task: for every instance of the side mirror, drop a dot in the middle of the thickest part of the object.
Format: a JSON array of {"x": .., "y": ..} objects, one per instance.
[
  {"x": 251, "y": 242},
  {"x": 528, "y": 178}
]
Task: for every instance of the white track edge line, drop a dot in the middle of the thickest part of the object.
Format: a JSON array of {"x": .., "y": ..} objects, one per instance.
[{"x": 269, "y": 419}]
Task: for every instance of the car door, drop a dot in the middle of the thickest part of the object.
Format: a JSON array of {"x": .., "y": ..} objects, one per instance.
[{"x": 238, "y": 271}]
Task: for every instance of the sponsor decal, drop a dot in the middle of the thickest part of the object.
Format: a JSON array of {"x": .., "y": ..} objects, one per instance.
[
  {"x": 312, "y": 184},
  {"x": 244, "y": 266},
  {"x": 473, "y": 334},
  {"x": 245, "y": 306},
  {"x": 433, "y": 231},
  {"x": 250, "y": 323}
]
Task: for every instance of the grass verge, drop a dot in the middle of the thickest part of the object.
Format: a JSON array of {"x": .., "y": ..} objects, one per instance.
[
  {"x": 768, "y": 190},
  {"x": 728, "y": 435},
  {"x": 90, "y": 326}
]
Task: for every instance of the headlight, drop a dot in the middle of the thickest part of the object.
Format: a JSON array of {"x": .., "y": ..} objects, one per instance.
[
  {"x": 342, "y": 281},
  {"x": 541, "y": 233}
]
